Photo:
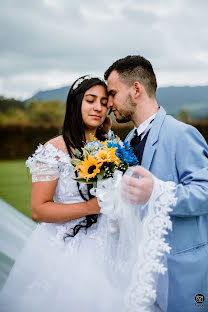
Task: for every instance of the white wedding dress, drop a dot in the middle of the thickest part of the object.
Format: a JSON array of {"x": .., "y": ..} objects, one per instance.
[{"x": 95, "y": 271}]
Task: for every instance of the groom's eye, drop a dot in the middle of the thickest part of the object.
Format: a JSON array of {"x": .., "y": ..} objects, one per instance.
[{"x": 112, "y": 93}]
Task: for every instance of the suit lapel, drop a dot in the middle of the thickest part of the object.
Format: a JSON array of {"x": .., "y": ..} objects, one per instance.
[
  {"x": 150, "y": 145},
  {"x": 129, "y": 136}
]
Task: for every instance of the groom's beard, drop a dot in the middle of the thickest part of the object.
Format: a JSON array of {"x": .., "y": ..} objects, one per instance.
[
  {"x": 126, "y": 115},
  {"x": 123, "y": 119}
]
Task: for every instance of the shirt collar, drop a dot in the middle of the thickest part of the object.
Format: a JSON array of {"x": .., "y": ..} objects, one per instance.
[{"x": 144, "y": 125}]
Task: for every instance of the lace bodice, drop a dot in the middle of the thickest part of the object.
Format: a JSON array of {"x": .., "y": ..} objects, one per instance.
[{"x": 48, "y": 164}]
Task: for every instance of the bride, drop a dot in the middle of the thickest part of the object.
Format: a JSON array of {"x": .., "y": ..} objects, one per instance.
[{"x": 70, "y": 260}]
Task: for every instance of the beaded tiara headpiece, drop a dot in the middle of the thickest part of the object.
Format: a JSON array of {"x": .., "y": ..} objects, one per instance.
[{"x": 81, "y": 79}]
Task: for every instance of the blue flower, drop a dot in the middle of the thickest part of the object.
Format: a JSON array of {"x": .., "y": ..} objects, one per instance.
[
  {"x": 125, "y": 153},
  {"x": 94, "y": 145}
]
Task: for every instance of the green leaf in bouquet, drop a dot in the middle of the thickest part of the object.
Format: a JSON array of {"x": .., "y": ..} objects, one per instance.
[
  {"x": 92, "y": 181},
  {"x": 92, "y": 150},
  {"x": 78, "y": 154},
  {"x": 101, "y": 174},
  {"x": 85, "y": 153},
  {"x": 75, "y": 162},
  {"x": 80, "y": 180},
  {"x": 89, "y": 151}
]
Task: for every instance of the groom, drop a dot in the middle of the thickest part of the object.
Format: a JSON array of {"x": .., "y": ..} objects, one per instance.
[{"x": 172, "y": 151}]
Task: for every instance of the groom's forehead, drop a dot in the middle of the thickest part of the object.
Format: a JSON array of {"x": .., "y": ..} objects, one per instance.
[
  {"x": 113, "y": 77},
  {"x": 113, "y": 81}
]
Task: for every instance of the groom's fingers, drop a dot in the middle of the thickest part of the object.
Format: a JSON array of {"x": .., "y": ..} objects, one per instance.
[
  {"x": 141, "y": 171},
  {"x": 137, "y": 190},
  {"x": 130, "y": 197},
  {"x": 132, "y": 182},
  {"x": 133, "y": 198},
  {"x": 138, "y": 172}
]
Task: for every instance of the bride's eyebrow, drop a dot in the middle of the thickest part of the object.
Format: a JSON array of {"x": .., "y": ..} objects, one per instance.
[
  {"x": 95, "y": 96},
  {"x": 91, "y": 95}
]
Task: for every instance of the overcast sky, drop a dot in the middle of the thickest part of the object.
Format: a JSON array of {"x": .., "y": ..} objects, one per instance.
[{"x": 47, "y": 44}]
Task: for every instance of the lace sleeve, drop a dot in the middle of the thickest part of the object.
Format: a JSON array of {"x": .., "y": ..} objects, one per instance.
[{"x": 44, "y": 164}]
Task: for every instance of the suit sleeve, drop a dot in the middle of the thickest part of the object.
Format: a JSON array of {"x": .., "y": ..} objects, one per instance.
[{"x": 192, "y": 168}]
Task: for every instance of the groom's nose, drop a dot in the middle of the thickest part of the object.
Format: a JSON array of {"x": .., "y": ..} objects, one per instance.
[{"x": 110, "y": 102}]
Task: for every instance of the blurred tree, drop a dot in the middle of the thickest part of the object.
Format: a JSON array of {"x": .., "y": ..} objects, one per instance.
[
  {"x": 6, "y": 104},
  {"x": 12, "y": 111},
  {"x": 46, "y": 111},
  {"x": 184, "y": 115},
  {"x": 14, "y": 115},
  {"x": 205, "y": 118}
]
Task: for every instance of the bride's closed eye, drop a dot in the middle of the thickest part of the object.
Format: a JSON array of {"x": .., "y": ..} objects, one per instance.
[{"x": 103, "y": 102}]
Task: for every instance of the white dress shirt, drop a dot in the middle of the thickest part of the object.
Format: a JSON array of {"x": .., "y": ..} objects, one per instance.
[{"x": 145, "y": 126}]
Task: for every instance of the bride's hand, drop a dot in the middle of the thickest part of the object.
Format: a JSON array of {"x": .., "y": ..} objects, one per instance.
[
  {"x": 92, "y": 206},
  {"x": 137, "y": 190}
]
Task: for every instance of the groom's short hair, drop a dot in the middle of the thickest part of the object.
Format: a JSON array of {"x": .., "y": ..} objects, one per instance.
[{"x": 135, "y": 68}]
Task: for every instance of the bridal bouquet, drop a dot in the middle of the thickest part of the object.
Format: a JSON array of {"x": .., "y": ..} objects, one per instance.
[{"x": 99, "y": 159}]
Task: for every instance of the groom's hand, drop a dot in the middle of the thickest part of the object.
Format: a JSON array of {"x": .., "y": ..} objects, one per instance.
[{"x": 137, "y": 191}]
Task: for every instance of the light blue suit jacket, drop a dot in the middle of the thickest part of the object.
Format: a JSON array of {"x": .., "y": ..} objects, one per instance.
[{"x": 175, "y": 151}]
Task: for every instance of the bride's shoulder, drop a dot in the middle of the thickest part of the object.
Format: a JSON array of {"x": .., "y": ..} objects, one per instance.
[
  {"x": 48, "y": 160},
  {"x": 52, "y": 153},
  {"x": 58, "y": 143}
]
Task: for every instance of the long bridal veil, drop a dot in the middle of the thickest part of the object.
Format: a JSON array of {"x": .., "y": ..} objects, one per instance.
[
  {"x": 136, "y": 239},
  {"x": 14, "y": 231}
]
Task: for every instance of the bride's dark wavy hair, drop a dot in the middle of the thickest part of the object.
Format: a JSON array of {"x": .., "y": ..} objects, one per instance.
[{"x": 73, "y": 133}]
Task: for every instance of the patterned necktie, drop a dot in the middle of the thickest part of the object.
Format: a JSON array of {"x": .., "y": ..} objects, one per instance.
[{"x": 136, "y": 139}]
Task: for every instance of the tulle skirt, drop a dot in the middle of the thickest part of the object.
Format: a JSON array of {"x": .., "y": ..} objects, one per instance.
[
  {"x": 118, "y": 264},
  {"x": 55, "y": 275}
]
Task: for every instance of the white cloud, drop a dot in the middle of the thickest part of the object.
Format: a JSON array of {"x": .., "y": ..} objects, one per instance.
[
  {"x": 24, "y": 84},
  {"x": 46, "y": 43}
]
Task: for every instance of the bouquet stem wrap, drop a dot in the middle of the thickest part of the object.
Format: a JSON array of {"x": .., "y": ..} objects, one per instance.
[
  {"x": 106, "y": 191},
  {"x": 137, "y": 235}
]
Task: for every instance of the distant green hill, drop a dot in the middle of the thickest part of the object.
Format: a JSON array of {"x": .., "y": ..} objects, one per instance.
[
  {"x": 173, "y": 99},
  {"x": 193, "y": 99},
  {"x": 55, "y": 94}
]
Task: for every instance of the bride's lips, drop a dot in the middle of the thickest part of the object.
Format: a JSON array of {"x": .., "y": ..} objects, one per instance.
[{"x": 96, "y": 116}]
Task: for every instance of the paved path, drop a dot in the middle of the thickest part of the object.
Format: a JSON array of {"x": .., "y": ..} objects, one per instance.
[{"x": 14, "y": 230}]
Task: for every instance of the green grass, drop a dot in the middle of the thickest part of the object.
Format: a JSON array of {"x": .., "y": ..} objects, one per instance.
[{"x": 15, "y": 184}]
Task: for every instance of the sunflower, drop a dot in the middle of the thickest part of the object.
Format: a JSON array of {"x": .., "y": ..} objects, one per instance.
[
  {"x": 108, "y": 155},
  {"x": 89, "y": 167}
]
